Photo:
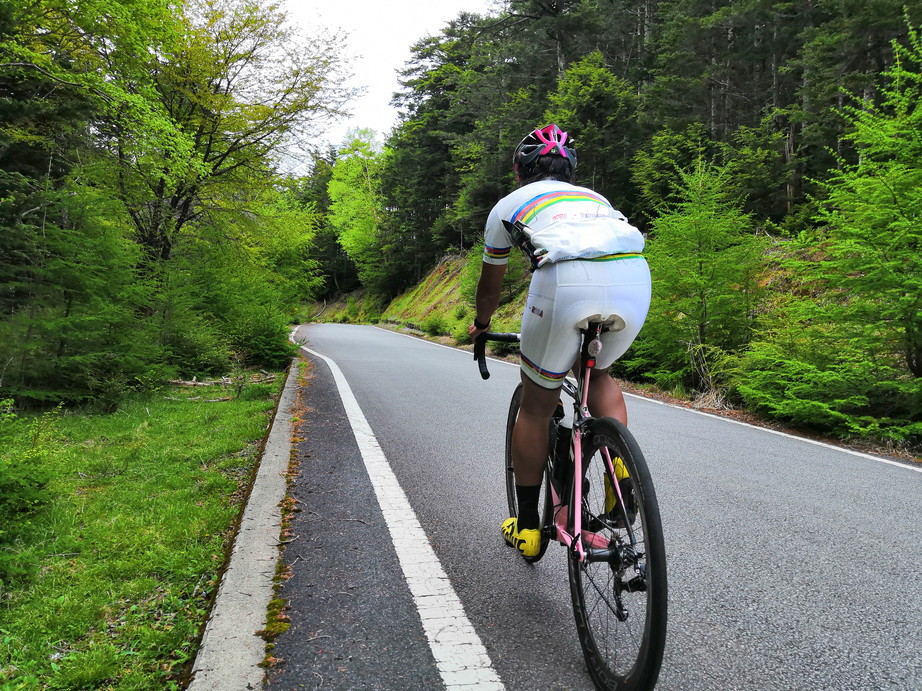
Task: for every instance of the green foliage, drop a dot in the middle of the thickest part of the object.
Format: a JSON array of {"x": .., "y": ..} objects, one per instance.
[
  {"x": 144, "y": 232},
  {"x": 193, "y": 344},
  {"x": 752, "y": 159},
  {"x": 706, "y": 265},
  {"x": 873, "y": 218},
  {"x": 256, "y": 392},
  {"x": 656, "y": 169},
  {"x": 602, "y": 109},
  {"x": 755, "y": 162},
  {"x": 119, "y": 565},
  {"x": 459, "y": 330},
  {"x": 470, "y": 275},
  {"x": 74, "y": 327},
  {"x": 501, "y": 349},
  {"x": 847, "y": 360},
  {"x": 434, "y": 324},
  {"x": 25, "y": 449},
  {"x": 260, "y": 334},
  {"x": 357, "y": 308},
  {"x": 850, "y": 396},
  {"x": 357, "y": 215},
  {"x": 338, "y": 271}
]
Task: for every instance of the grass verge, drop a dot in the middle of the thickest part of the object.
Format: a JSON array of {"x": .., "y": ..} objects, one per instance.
[{"x": 116, "y": 572}]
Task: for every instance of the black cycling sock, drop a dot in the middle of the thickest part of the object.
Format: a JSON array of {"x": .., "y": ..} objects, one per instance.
[{"x": 527, "y": 497}]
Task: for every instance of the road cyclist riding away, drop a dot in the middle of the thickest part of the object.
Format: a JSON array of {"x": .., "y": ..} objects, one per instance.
[{"x": 587, "y": 268}]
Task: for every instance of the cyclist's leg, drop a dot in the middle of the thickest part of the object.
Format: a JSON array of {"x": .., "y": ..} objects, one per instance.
[
  {"x": 605, "y": 396},
  {"x": 529, "y": 437},
  {"x": 544, "y": 365},
  {"x": 529, "y": 457},
  {"x": 514, "y": 495},
  {"x": 548, "y": 348}
]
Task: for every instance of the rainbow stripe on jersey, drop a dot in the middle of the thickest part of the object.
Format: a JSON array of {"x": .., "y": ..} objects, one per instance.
[{"x": 534, "y": 206}]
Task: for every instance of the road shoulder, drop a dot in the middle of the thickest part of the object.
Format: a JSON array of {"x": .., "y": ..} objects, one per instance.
[{"x": 231, "y": 650}]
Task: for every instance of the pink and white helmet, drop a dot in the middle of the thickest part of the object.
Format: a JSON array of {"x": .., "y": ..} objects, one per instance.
[{"x": 549, "y": 140}]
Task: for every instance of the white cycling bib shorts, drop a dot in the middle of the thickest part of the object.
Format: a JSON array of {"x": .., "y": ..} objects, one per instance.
[{"x": 566, "y": 296}]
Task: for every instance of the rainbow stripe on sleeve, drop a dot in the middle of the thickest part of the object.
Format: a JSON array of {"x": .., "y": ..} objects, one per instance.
[
  {"x": 527, "y": 212},
  {"x": 496, "y": 252}
]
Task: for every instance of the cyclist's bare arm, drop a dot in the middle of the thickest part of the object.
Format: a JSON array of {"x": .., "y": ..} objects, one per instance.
[{"x": 488, "y": 291}]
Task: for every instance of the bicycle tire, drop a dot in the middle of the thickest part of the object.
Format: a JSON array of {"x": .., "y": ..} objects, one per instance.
[
  {"x": 620, "y": 606},
  {"x": 544, "y": 501}
]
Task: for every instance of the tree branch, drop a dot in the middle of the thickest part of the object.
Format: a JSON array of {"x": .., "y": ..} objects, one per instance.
[{"x": 33, "y": 66}]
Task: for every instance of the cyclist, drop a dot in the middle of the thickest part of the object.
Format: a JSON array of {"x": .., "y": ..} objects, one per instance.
[{"x": 589, "y": 268}]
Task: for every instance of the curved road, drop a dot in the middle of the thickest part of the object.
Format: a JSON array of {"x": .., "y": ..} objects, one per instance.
[{"x": 792, "y": 565}]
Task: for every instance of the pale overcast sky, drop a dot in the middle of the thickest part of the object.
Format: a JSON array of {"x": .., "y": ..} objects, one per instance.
[{"x": 380, "y": 34}]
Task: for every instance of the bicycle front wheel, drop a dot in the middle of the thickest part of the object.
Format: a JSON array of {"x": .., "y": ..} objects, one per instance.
[
  {"x": 545, "y": 501},
  {"x": 619, "y": 590}
]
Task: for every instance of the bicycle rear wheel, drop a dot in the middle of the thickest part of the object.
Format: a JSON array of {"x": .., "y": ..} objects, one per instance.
[
  {"x": 619, "y": 593},
  {"x": 544, "y": 501}
]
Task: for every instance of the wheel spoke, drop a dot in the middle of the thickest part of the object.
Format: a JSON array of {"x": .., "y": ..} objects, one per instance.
[{"x": 619, "y": 605}]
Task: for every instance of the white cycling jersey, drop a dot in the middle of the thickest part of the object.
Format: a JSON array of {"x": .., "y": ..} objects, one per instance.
[
  {"x": 590, "y": 269},
  {"x": 564, "y": 222}
]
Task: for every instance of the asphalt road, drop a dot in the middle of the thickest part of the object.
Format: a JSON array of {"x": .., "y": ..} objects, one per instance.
[{"x": 792, "y": 565}]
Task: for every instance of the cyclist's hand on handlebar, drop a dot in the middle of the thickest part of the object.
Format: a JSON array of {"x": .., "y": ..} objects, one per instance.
[
  {"x": 480, "y": 337},
  {"x": 474, "y": 332}
]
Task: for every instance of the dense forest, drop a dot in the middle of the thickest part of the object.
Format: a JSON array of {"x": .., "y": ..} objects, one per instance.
[
  {"x": 145, "y": 228},
  {"x": 771, "y": 151}
]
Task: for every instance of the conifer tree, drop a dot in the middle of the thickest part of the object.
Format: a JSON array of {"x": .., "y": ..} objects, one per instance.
[{"x": 706, "y": 263}]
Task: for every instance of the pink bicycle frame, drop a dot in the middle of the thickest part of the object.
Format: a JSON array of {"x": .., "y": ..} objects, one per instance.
[{"x": 574, "y": 538}]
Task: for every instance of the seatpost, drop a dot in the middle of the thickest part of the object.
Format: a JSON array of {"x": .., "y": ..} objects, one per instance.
[{"x": 592, "y": 346}]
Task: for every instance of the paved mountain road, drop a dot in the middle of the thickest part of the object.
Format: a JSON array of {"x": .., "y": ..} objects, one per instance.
[{"x": 792, "y": 565}]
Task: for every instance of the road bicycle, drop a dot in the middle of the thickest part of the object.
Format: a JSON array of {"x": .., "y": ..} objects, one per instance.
[{"x": 616, "y": 558}]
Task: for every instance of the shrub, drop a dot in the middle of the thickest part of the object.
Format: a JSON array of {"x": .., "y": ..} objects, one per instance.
[
  {"x": 459, "y": 331},
  {"x": 352, "y": 309},
  {"x": 848, "y": 397},
  {"x": 24, "y": 474},
  {"x": 434, "y": 324},
  {"x": 193, "y": 344},
  {"x": 470, "y": 274},
  {"x": 262, "y": 339}
]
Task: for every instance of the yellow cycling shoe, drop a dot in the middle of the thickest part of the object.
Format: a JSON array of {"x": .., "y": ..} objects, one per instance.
[{"x": 527, "y": 541}]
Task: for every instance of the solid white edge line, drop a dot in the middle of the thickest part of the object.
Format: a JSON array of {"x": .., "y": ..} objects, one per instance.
[
  {"x": 859, "y": 454},
  {"x": 461, "y": 658}
]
